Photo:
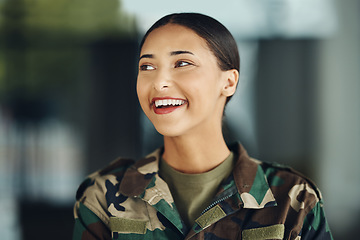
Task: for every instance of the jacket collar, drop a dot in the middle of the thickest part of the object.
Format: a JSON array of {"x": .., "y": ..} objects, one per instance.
[
  {"x": 251, "y": 181},
  {"x": 138, "y": 177},
  {"x": 249, "y": 178}
]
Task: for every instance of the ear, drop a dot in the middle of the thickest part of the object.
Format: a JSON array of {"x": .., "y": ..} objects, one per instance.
[{"x": 231, "y": 81}]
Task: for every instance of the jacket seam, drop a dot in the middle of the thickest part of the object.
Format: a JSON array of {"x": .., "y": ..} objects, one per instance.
[
  {"x": 100, "y": 215},
  {"x": 148, "y": 213}
]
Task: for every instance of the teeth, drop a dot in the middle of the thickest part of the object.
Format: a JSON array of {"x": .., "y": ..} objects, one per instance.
[{"x": 168, "y": 102}]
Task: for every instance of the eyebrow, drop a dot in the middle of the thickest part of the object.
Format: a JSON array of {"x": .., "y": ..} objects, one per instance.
[
  {"x": 173, "y": 53},
  {"x": 180, "y": 52},
  {"x": 147, "y": 56}
]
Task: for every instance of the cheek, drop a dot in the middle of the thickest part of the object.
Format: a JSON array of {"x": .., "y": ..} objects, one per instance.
[
  {"x": 203, "y": 86},
  {"x": 141, "y": 91},
  {"x": 138, "y": 89},
  {"x": 194, "y": 82}
]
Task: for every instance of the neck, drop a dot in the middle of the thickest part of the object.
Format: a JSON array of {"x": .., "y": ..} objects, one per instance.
[{"x": 195, "y": 154}]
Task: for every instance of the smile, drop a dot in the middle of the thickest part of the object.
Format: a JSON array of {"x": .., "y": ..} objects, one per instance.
[
  {"x": 166, "y": 105},
  {"x": 168, "y": 102}
]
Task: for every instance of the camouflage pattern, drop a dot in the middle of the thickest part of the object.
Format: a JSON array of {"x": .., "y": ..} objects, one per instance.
[{"x": 128, "y": 200}]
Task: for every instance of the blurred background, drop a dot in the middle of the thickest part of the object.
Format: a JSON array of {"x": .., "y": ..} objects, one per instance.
[{"x": 68, "y": 103}]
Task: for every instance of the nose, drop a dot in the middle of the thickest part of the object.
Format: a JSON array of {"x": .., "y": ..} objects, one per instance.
[{"x": 162, "y": 80}]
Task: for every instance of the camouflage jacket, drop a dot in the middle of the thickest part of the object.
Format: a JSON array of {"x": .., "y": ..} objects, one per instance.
[{"x": 128, "y": 200}]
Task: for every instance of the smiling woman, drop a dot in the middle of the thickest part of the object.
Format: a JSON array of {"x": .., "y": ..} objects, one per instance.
[{"x": 196, "y": 186}]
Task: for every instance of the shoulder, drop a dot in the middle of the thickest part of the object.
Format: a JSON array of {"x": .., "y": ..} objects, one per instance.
[
  {"x": 92, "y": 191},
  {"x": 292, "y": 186},
  {"x": 298, "y": 197},
  {"x": 111, "y": 186},
  {"x": 280, "y": 174},
  {"x": 114, "y": 171}
]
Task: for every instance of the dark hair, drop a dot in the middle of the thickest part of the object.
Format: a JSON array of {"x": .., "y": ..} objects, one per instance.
[{"x": 218, "y": 38}]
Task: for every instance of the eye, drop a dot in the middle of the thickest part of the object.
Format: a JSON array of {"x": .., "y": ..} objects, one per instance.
[
  {"x": 146, "y": 67},
  {"x": 182, "y": 64}
]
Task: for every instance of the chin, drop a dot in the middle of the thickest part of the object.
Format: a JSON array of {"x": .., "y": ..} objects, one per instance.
[
  {"x": 168, "y": 127},
  {"x": 167, "y": 132}
]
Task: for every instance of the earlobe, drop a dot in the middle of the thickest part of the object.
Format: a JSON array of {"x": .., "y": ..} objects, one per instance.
[{"x": 232, "y": 78}]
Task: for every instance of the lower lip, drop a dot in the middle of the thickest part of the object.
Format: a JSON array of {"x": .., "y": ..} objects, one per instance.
[{"x": 166, "y": 110}]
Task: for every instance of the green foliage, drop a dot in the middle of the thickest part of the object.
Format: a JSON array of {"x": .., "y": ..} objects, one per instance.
[
  {"x": 77, "y": 16},
  {"x": 44, "y": 44}
]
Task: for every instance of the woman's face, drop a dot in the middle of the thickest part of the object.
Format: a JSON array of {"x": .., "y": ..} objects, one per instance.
[{"x": 180, "y": 85}]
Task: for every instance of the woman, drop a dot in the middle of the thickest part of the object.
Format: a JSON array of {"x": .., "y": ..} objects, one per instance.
[{"x": 195, "y": 187}]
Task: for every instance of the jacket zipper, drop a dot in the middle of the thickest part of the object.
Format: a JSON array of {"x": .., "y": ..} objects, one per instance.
[{"x": 217, "y": 201}]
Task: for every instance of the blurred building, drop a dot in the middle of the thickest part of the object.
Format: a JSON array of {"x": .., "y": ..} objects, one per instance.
[{"x": 68, "y": 104}]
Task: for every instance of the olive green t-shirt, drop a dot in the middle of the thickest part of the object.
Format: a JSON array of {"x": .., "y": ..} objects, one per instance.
[{"x": 192, "y": 193}]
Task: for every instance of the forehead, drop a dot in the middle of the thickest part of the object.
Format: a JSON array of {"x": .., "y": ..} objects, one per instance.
[{"x": 174, "y": 36}]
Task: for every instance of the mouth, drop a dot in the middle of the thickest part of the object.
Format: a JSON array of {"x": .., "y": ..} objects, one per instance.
[{"x": 167, "y": 105}]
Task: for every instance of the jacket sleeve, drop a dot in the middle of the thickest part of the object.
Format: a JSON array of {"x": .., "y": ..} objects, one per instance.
[
  {"x": 88, "y": 225},
  {"x": 315, "y": 225}
]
